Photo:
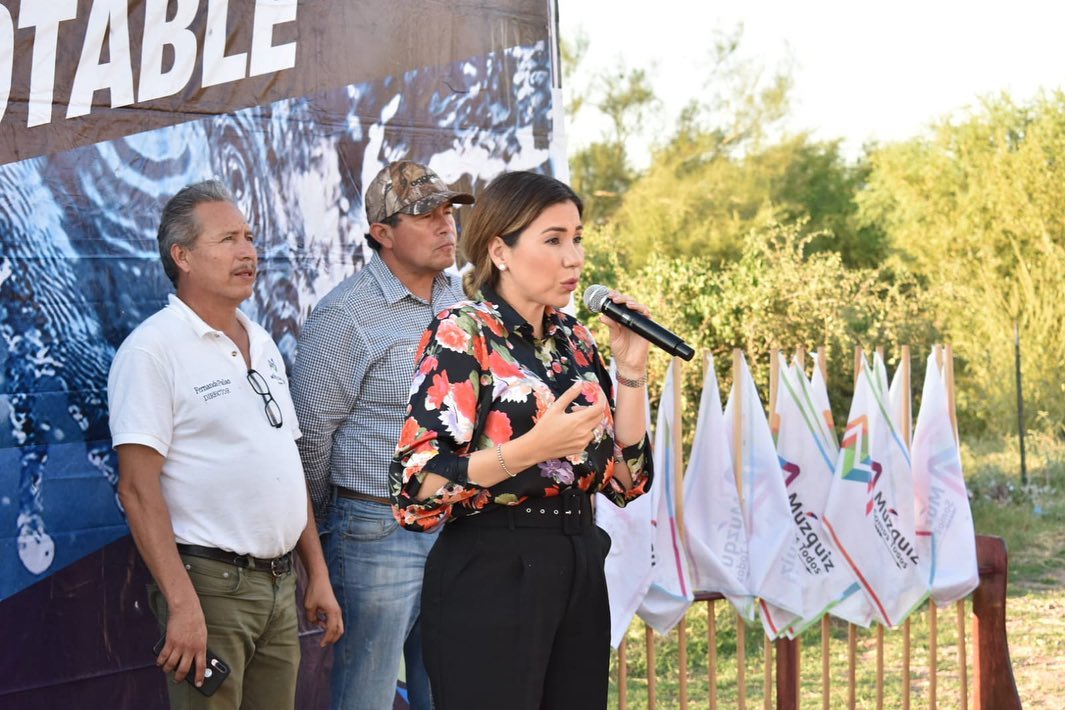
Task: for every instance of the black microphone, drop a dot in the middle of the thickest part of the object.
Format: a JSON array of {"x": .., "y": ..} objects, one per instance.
[{"x": 597, "y": 298}]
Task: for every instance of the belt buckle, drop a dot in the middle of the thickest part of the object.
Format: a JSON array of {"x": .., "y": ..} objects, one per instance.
[
  {"x": 571, "y": 511},
  {"x": 280, "y": 566}
]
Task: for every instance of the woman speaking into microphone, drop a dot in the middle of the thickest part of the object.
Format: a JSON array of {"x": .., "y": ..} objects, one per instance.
[{"x": 513, "y": 424}]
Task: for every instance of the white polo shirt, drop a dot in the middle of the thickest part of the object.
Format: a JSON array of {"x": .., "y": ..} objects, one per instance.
[{"x": 230, "y": 479}]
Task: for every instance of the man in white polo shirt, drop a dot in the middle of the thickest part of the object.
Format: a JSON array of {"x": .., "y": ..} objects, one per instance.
[{"x": 209, "y": 474}]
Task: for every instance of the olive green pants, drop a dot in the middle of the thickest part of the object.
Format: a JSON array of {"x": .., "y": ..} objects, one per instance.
[{"x": 251, "y": 626}]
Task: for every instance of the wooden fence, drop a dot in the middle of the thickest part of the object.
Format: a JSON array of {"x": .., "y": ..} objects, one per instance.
[{"x": 993, "y": 685}]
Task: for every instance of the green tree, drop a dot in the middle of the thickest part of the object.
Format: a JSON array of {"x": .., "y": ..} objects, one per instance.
[
  {"x": 602, "y": 171},
  {"x": 977, "y": 208}
]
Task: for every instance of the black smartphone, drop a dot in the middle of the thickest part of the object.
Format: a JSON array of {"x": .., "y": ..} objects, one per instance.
[{"x": 213, "y": 675}]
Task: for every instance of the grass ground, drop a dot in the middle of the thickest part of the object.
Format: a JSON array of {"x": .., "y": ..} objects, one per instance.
[{"x": 1031, "y": 519}]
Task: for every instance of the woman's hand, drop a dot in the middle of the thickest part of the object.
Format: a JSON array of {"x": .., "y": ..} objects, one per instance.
[
  {"x": 628, "y": 349},
  {"x": 559, "y": 433}
]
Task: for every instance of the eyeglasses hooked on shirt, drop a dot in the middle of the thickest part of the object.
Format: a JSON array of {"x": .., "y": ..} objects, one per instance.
[{"x": 273, "y": 409}]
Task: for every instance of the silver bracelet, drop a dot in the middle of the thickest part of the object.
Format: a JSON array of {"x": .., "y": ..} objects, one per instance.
[
  {"x": 628, "y": 382},
  {"x": 502, "y": 463}
]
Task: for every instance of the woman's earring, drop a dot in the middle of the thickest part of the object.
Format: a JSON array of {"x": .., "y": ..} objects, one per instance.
[{"x": 501, "y": 267}]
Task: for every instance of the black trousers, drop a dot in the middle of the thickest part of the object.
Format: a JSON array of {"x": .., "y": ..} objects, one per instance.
[{"x": 514, "y": 609}]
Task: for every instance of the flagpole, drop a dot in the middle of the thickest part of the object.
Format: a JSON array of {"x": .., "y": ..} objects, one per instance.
[
  {"x": 737, "y": 429},
  {"x": 774, "y": 383},
  {"x": 907, "y": 436},
  {"x": 948, "y": 375},
  {"x": 933, "y": 613},
  {"x": 737, "y": 463},
  {"x": 852, "y": 631},
  {"x": 880, "y": 627},
  {"x": 774, "y": 428},
  {"x": 678, "y": 478},
  {"x": 711, "y": 621},
  {"x": 961, "y": 603},
  {"x": 826, "y": 627}
]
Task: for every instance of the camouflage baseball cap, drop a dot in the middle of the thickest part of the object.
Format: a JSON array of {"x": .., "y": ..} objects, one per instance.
[{"x": 409, "y": 188}]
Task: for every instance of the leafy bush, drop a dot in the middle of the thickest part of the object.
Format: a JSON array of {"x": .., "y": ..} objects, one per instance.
[{"x": 776, "y": 295}]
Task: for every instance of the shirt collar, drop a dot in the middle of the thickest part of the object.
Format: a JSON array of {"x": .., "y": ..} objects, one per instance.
[
  {"x": 514, "y": 322},
  {"x": 199, "y": 325},
  {"x": 392, "y": 288}
]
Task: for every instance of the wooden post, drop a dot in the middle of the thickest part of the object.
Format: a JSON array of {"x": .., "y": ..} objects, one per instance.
[
  {"x": 933, "y": 651},
  {"x": 788, "y": 665},
  {"x": 879, "y": 667},
  {"x": 826, "y": 678},
  {"x": 852, "y": 653},
  {"x": 994, "y": 687},
  {"x": 623, "y": 676},
  {"x": 963, "y": 671},
  {"x": 682, "y": 662},
  {"x": 906, "y": 636},
  {"x": 649, "y": 640},
  {"x": 767, "y": 673},
  {"x": 741, "y": 663},
  {"x": 711, "y": 665}
]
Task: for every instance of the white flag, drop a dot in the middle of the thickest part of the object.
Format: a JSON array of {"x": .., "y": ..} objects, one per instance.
[
  {"x": 870, "y": 513},
  {"x": 628, "y": 565},
  {"x": 852, "y": 606},
  {"x": 670, "y": 593},
  {"x": 945, "y": 535},
  {"x": 715, "y": 530},
  {"x": 775, "y": 568},
  {"x": 900, "y": 400},
  {"x": 807, "y": 454}
]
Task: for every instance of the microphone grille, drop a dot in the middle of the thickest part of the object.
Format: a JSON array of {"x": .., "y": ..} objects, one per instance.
[{"x": 595, "y": 296}]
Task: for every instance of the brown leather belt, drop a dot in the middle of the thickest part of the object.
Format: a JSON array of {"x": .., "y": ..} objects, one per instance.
[
  {"x": 278, "y": 566},
  {"x": 348, "y": 493}
]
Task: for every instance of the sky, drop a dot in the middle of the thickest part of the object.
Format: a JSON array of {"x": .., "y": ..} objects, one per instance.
[{"x": 863, "y": 71}]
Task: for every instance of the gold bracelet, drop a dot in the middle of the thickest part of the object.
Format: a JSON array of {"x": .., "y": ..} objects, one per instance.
[
  {"x": 629, "y": 382},
  {"x": 502, "y": 463}
]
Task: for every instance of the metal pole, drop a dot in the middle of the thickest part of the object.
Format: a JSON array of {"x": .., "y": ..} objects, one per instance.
[{"x": 1020, "y": 400}]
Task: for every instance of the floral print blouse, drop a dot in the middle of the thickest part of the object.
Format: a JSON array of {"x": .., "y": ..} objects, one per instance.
[{"x": 481, "y": 373}]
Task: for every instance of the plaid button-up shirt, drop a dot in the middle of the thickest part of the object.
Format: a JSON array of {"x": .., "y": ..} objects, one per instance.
[{"x": 351, "y": 379}]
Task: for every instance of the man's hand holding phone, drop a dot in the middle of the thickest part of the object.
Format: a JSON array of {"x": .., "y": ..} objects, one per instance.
[
  {"x": 184, "y": 647},
  {"x": 215, "y": 670}
]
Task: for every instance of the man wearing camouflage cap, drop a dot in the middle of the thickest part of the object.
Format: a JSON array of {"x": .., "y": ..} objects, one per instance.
[{"x": 350, "y": 386}]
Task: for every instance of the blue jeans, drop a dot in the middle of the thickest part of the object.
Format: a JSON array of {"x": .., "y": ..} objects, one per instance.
[{"x": 376, "y": 569}]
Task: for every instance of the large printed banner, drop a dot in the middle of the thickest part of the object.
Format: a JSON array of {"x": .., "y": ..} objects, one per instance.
[{"x": 109, "y": 107}]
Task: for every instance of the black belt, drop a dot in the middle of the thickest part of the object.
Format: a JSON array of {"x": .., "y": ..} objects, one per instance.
[
  {"x": 570, "y": 513},
  {"x": 278, "y": 566}
]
